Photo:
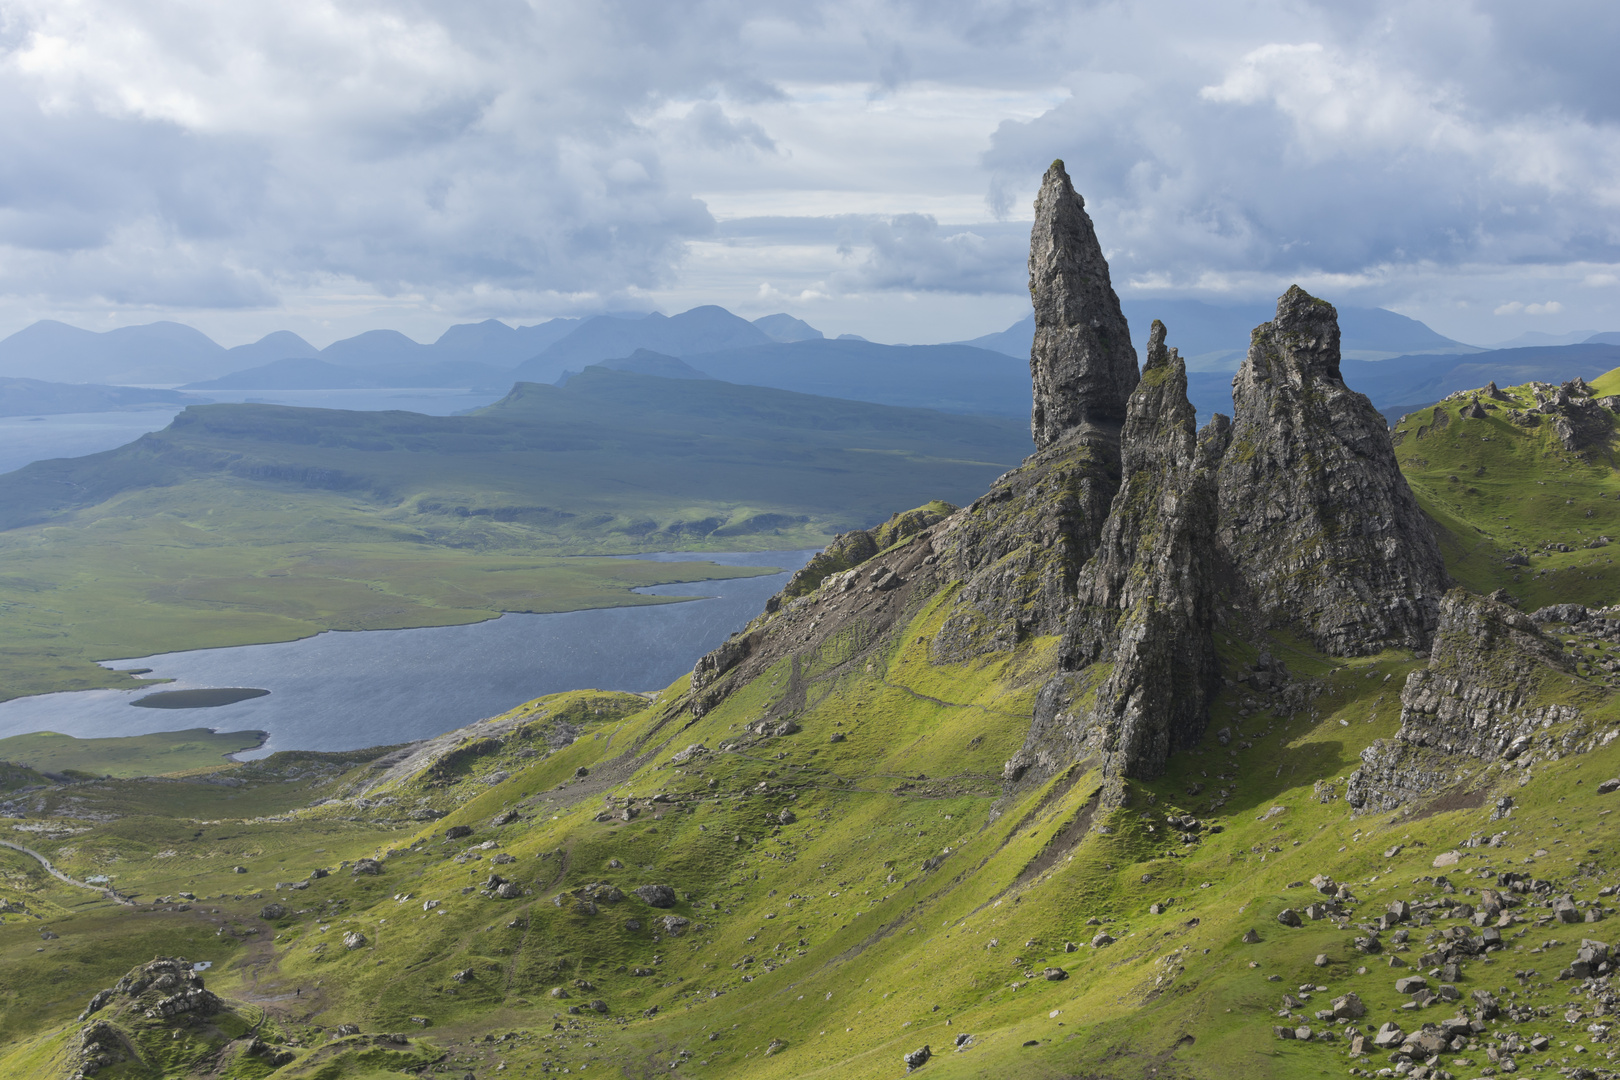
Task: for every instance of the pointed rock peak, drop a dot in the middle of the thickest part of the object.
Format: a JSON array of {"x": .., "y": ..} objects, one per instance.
[
  {"x": 1160, "y": 422},
  {"x": 1315, "y": 514},
  {"x": 1082, "y": 364},
  {"x": 1312, "y": 329},
  {"x": 1157, "y": 354}
]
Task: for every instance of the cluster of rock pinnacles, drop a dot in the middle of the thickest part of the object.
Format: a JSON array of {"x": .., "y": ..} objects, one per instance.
[{"x": 1136, "y": 537}]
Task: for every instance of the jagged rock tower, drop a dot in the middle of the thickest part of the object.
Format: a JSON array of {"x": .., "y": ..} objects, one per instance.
[
  {"x": 1138, "y": 657},
  {"x": 1083, "y": 364},
  {"x": 1019, "y": 549},
  {"x": 1315, "y": 515}
]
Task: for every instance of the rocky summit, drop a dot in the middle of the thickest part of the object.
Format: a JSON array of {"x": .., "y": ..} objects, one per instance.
[{"x": 1284, "y": 746}]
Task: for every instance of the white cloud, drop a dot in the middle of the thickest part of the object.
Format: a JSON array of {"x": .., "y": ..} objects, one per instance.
[
  {"x": 431, "y": 160},
  {"x": 1515, "y": 307}
]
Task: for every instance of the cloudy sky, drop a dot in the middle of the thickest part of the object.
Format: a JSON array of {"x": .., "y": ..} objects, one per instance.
[{"x": 331, "y": 166}]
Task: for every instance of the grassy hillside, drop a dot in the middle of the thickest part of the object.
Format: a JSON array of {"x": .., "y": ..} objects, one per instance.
[
  {"x": 240, "y": 524},
  {"x": 192, "y": 750},
  {"x": 862, "y": 884}
]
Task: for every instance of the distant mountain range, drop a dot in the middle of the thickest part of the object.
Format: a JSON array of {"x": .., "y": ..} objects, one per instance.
[
  {"x": 1396, "y": 360},
  {"x": 1213, "y": 337}
]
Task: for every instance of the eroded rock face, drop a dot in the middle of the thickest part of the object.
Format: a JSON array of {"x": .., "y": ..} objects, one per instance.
[
  {"x": 1470, "y": 706},
  {"x": 1145, "y": 600},
  {"x": 851, "y": 549},
  {"x": 1017, "y": 550},
  {"x": 1315, "y": 515},
  {"x": 1083, "y": 364}
]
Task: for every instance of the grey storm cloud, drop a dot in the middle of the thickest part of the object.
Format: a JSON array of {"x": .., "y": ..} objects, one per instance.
[{"x": 205, "y": 155}]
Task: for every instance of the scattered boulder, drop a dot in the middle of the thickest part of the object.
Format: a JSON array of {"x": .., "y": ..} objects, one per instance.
[
  {"x": 1348, "y": 1007},
  {"x": 917, "y": 1058},
  {"x": 366, "y": 867},
  {"x": 1389, "y": 1036},
  {"x": 272, "y": 912},
  {"x": 1289, "y": 917},
  {"x": 456, "y": 832},
  {"x": 354, "y": 939},
  {"x": 659, "y": 896}
]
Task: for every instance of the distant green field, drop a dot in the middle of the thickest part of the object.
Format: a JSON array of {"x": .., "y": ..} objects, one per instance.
[
  {"x": 136, "y": 755},
  {"x": 243, "y": 524}
]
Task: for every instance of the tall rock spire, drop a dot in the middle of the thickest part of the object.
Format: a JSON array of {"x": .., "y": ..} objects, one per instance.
[
  {"x": 1140, "y": 660},
  {"x": 1315, "y": 515},
  {"x": 1082, "y": 363}
]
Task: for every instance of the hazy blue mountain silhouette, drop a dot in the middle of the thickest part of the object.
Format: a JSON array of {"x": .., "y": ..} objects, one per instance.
[
  {"x": 702, "y": 330},
  {"x": 160, "y": 352},
  {"x": 36, "y": 397},
  {"x": 642, "y": 362},
  {"x": 277, "y": 345},
  {"x": 309, "y": 373},
  {"x": 783, "y": 327},
  {"x": 950, "y": 378}
]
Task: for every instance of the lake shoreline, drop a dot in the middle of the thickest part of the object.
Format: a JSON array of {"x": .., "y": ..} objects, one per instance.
[{"x": 342, "y": 691}]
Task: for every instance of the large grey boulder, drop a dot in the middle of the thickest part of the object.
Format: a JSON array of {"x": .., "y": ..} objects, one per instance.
[{"x": 659, "y": 896}]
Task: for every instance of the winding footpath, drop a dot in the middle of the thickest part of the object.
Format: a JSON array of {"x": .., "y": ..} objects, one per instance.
[{"x": 58, "y": 875}]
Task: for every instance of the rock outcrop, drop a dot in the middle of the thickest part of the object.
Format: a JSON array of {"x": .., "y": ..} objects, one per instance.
[
  {"x": 1083, "y": 364},
  {"x": 1017, "y": 550},
  {"x": 1469, "y": 706},
  {"x": 1315, "y": 516},
  {"x": 1140, "y": 662},
  {"x": 851, "y": 549},
  {"x": 161, "y": 992}
]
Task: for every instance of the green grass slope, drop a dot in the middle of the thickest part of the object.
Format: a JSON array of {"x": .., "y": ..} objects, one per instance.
[
  {"x": 847, "y": 892},
  {"x": 155, "y": 754}
]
